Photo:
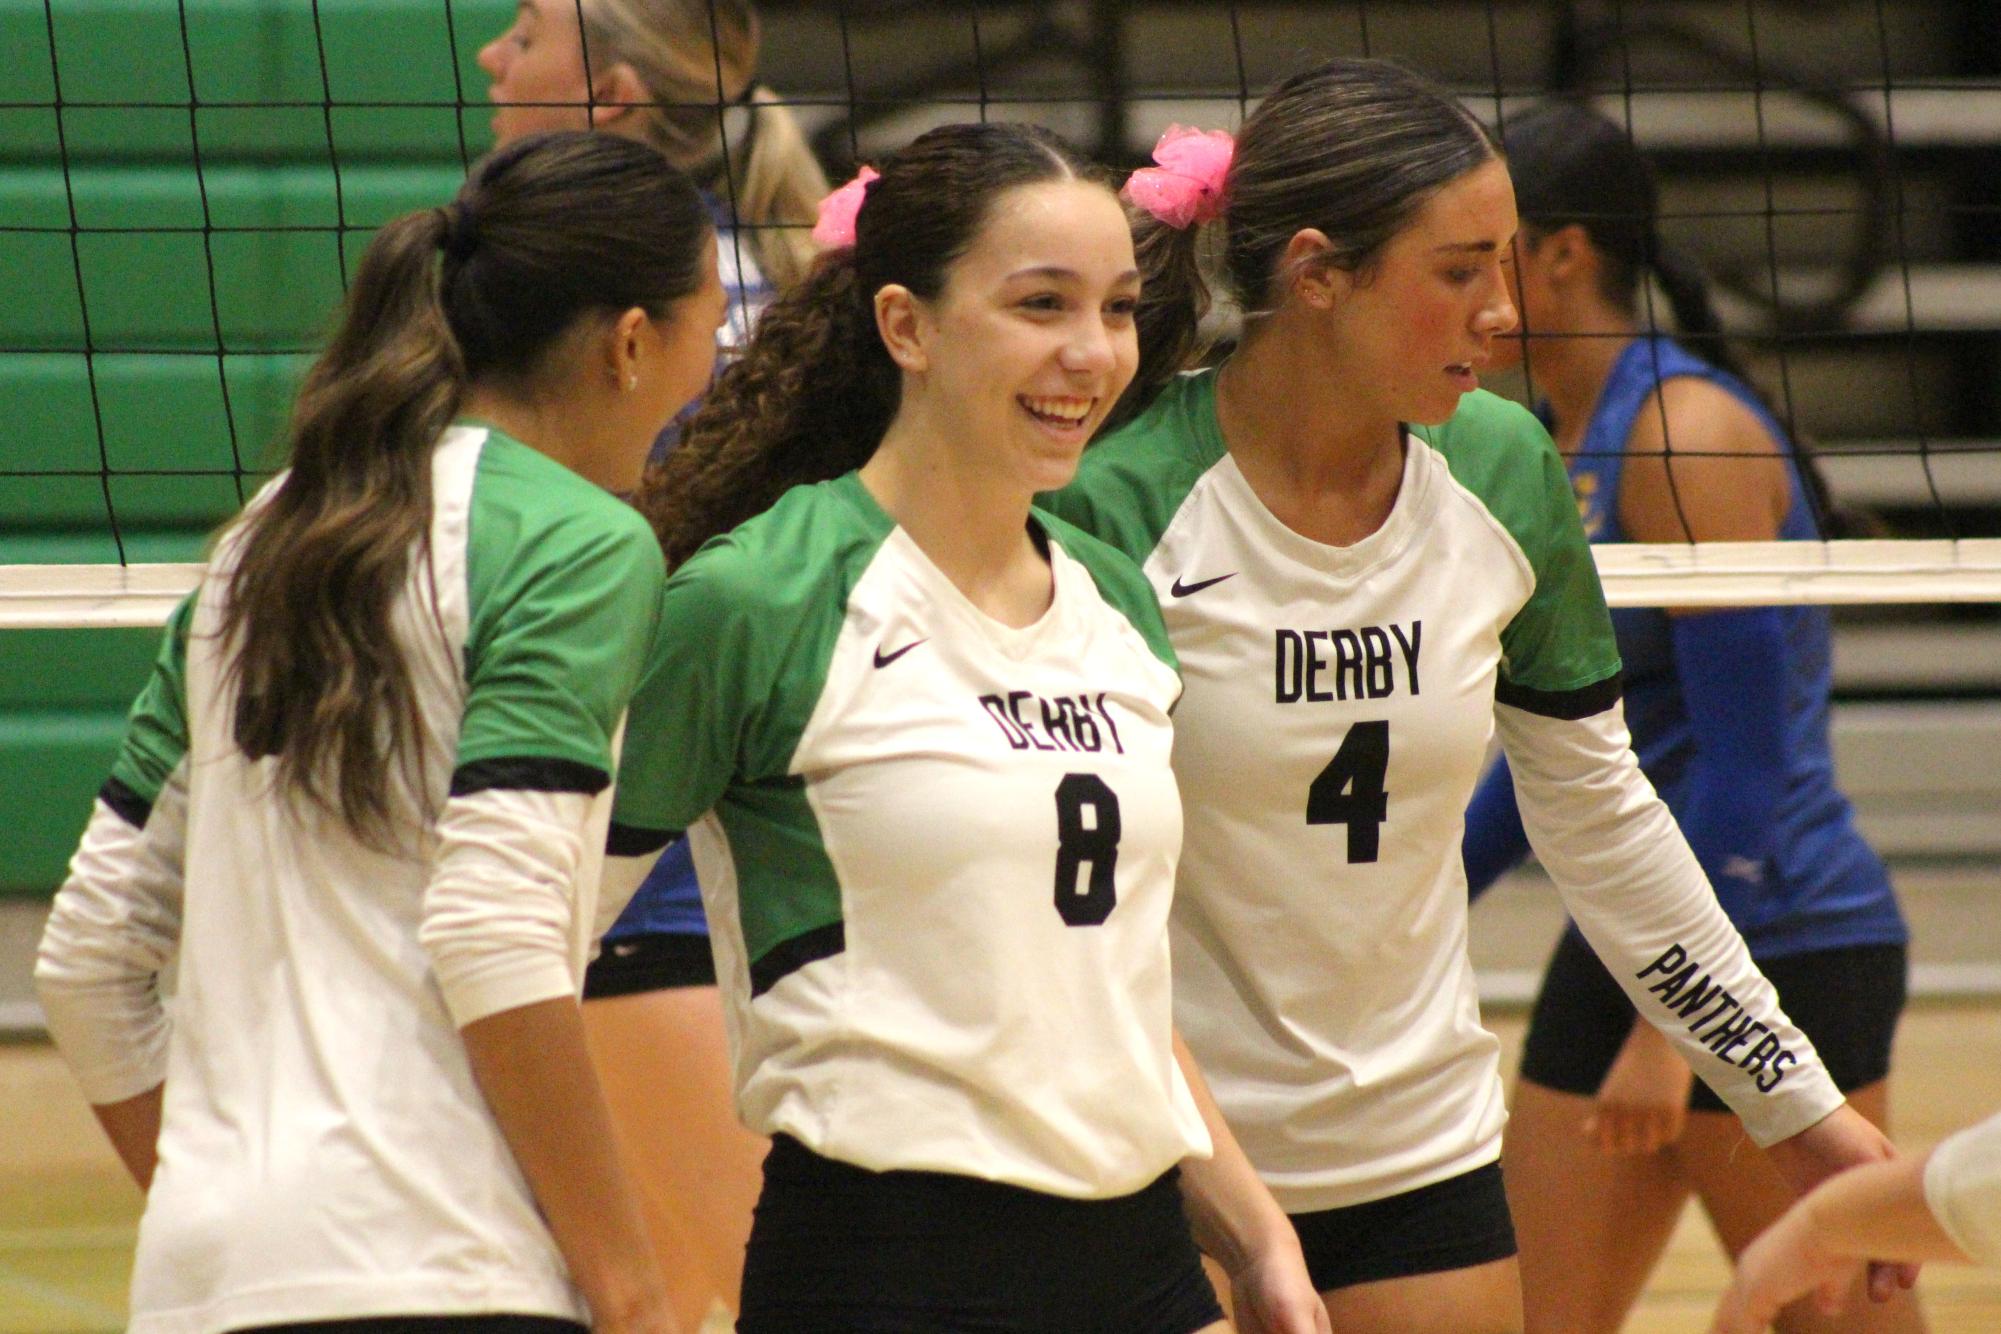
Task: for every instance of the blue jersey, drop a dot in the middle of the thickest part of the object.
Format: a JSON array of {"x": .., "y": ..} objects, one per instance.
[
  {"x": 670, "y": 902},
  {"x": 1826, "y": 888}
]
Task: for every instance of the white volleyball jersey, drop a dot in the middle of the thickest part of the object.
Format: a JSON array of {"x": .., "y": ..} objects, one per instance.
[
  {"x": 324, "y": 1151},
  {"x": 1339, "y": 705},
  {"x": 937, "y": 852}
]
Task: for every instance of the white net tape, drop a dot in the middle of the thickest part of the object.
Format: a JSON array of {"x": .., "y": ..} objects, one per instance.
[{"x": 1711, "y": 574}]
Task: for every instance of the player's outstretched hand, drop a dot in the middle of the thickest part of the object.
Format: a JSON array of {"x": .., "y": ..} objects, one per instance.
[
  {"x": 1785, "y": 1263},
  {"x": 1839, "y": 1141},
  {"x": 1642, "y": 1104},
  {"x": 1274, "y": 1295}
]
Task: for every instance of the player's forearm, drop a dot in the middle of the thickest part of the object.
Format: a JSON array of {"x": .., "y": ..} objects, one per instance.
[
  {"x": 532, "y": 1066},
  {"x": 1235, "y": 1219},
  {"x": 1637, "y": 893},
  {"x": 1877, "y": 1212},
  {"x": 133, "y": 1125}
]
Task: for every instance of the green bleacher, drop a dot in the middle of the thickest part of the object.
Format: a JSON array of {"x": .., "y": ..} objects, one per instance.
[{"x": 203, "y": 293}]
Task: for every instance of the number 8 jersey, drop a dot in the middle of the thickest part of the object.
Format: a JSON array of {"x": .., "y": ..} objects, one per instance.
[
  {"x": 937, "y": 852},
  {"x": 1339, "y": 705}
]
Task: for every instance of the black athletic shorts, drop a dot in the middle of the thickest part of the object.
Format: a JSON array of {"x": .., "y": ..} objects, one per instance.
[
  {"x": 1845, "y": 1000},
  {"x": 838, "y": 1249},
  {"x": 1451, "y": 1224},
  {"x": 427, "y": 1324},
  {"x": 655, "y": 961}
]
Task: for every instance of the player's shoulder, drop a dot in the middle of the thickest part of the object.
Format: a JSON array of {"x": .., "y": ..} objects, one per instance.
[
  {"x": 1110, "y": 568},
  {"x": 1131, "y": 482},
  {"x": 809, "y": 547},
  {"x": 535, "y": 523},
  {"x": 540, "y": 499},
  {"x": 1488, "y": 434},
  {"x": 1502, "y": 458}
]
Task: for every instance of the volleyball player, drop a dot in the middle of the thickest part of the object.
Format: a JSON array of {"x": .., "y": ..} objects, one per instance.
[
  {"x": 362, "y": 802},
  {"x": 1942, "y": 1206},
  {"x": 921, "y": 735},
  {"x": 1728, "y": 711},
  {"x": 680, "y": 75},
  {"x": 1359, "y": 601}
]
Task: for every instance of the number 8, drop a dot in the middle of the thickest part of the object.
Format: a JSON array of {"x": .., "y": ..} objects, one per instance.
[{"x": 1079, "y": 845}]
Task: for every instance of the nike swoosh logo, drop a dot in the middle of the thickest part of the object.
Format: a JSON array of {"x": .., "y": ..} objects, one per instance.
[
  {"x": 884, "y": 659},
  {"x": 1182, "y": 590}
]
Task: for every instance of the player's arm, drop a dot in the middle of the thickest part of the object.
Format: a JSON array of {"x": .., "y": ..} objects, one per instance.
[
  {"x": 1703, "y": 468},
  {"x": 535, "y": 1072},
  {"x": 115, "y": 924},
  {"x": 1946, "y": 1207},
  {"x": 557, "y": 643},
  {"x": 1238, "y": 1224},
  {"x": 1642, "y": 902}
]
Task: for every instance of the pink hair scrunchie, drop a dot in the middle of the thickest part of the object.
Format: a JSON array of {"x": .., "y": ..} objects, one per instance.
[
  {"x": 1187, "y": 186},
  {"x": 835, "y": 229}
]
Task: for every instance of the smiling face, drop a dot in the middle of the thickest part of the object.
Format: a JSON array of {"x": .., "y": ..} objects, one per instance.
[
  {"x": 537, "y": 68},
  {"x": 1032, "y": 340},
  {"x": 1412, "y": 330}
]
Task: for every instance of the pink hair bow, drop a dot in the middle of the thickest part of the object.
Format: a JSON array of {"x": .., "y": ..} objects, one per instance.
[
  {"x": 835, "y": 229},
  {"x": 1187, "y": 186}
]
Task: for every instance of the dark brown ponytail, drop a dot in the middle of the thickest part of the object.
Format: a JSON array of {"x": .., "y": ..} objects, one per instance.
[{"x": 549, "y": 231}]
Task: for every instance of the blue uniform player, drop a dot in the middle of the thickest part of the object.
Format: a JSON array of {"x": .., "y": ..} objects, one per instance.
[{"x": 1729, "y": 716}]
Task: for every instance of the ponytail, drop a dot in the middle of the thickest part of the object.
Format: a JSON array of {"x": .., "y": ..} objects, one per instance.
[
  {"x": 320, "y": 681},
  {"x": 1174, "y": 296},
  {"x": 1695, "y": 318},
  {"x": 809, "y": 400},
  {"x": 547, "y": 232},
  {"x": 1696, "y": 324},
  {"x": 779, "y": 186}
]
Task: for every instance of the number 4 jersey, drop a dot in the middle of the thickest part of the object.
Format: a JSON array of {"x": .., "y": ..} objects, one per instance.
[
  {"x": 937, "y": 852},
  {"x": 1339, "y": 705}
]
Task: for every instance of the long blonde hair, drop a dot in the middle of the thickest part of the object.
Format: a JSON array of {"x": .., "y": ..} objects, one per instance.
[{"x": 698, "y": 60}]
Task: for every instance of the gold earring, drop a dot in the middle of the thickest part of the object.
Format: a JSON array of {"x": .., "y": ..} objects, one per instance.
[{"x": 632, "y": 383}]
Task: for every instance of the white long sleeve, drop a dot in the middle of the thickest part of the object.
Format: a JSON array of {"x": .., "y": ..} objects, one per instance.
[
  {"x": 1963, "y": 1189},
  {"x": 1640, "y": 898},
  {"x": 114, "y": 926},
  {"x": 502, "y": 921}
]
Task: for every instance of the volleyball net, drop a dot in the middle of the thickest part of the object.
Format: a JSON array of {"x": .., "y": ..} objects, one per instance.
[{"x": 184, "y": 187}]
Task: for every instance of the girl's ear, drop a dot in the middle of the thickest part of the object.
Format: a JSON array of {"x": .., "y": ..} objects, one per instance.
[
  {"x": 1315, "y": 279},
  {"x": 624, "y": 346},
  {"x": 616, "y": 93},
  {"x": 903, "y": 323},
  {"x": 1565, "y": 252}
]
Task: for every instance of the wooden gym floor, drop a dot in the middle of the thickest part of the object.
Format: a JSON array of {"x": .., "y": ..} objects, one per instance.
[{"x": 67, "y": 1213}]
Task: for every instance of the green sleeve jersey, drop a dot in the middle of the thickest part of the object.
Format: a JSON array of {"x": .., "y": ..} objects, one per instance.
[
  {"x": 936, "y": 851},
  {"x": 1339, "y": 705}
]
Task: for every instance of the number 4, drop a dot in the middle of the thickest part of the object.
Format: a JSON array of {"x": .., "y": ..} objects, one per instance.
[{"x": 1350, "y": 789}]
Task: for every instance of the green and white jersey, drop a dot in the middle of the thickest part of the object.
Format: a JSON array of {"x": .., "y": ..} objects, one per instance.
[
  {"x": 937, "y": 852},
  {"x": 1339, "y": 705},
  {"x": 324, "y": 1150}
]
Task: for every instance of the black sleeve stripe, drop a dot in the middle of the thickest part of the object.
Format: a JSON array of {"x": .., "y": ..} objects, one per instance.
[
  {"x": 529, "y": 773},
  {"x": 1569, "y": 705},
  {"x": 624, "y": 840},
  {"x": 790, "y": 956},
  {"x": 126, "y": 804}
]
